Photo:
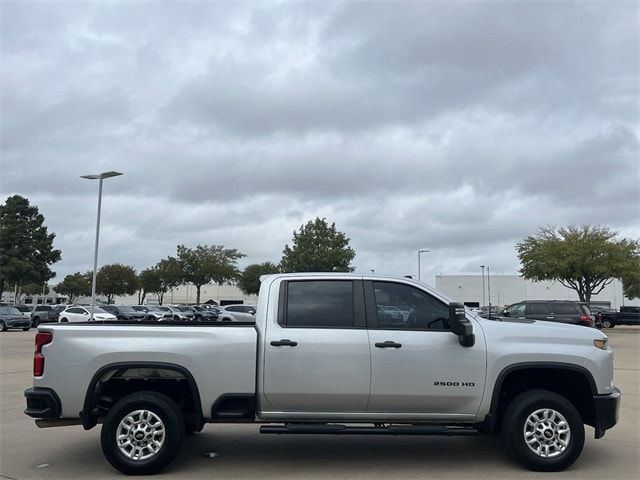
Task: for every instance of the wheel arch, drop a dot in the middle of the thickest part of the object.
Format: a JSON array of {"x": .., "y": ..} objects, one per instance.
[
  {"x": 89, "y": 419},
  {"x": 572, "y": 381}
]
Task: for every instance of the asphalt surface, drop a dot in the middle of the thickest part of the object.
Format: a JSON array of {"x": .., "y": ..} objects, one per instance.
[{"x": 240, "y": 452}]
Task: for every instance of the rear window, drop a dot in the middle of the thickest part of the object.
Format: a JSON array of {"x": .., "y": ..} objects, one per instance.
[
  {"x": 44, "y": 308},
  {"x": 564, "y": 308},
  {"x": 320, "y": 304}
]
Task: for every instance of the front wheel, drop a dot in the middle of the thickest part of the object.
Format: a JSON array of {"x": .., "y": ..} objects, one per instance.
[
  {"x": 36, "y": 322},
  {"x": 3, "y": 327},
  {"x": 543, "y": 431},
  {"x": 142, "y": 433},
  {"x": 26, "y": 329}
]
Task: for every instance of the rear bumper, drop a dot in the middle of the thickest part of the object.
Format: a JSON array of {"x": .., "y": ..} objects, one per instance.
[
  {"x": 42, "y": 403},
  {"x": 606, "y": 411}
]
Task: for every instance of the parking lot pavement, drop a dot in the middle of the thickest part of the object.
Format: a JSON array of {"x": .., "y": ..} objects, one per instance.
[{"x": 27, "y": 452}]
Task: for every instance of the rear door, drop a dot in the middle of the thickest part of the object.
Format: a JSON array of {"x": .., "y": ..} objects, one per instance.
[
  {"x": 565, "y": 312},
  {"x": 316, "y": 352},
  {"x": 538, "y": 311}
]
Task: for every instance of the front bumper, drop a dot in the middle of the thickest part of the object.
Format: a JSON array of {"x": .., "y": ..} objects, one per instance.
[
  {"x": 17, "y": 322},
  {"x": 606, "y": 411},
  {"x": 42, "y": 403}
]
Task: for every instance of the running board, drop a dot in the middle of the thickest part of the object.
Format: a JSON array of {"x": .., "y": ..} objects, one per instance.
[{"x": 337, "y": 429}]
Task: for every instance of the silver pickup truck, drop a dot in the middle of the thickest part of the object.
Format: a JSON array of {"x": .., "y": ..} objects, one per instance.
[{"x": 329, "y": 354}]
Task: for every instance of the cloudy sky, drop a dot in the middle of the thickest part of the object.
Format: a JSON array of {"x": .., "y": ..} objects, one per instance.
[{"x": 460, "y": 127}]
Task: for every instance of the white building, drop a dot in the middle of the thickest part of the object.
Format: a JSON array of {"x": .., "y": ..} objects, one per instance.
[
  {"x": 508, "y": 289},
  {"x": 220, "y": 294}
]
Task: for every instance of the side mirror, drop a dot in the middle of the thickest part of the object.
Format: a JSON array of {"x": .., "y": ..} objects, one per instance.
[
  {"x": 460, "y": 324},
  {"x": 504, "y": 313}
]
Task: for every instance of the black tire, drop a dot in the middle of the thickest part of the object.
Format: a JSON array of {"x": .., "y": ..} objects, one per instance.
[
  {"x": 26, "y": 329},
  {"x": 35, "y": 322},
  {"x": 161, "y": 406},
  {"x": 513, "y": 428},
  {"x": 3, "y": 327},
  {"x": 606, "y": 323},
  {"x": 64, "y": 320}
]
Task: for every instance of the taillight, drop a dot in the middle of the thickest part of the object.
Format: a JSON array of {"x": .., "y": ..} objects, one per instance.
[
  {"x": 586, "y": 319},
  {"x": 42, "y": 338}
]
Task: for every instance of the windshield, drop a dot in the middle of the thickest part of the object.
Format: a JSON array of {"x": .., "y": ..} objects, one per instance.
[
  {"x": 184, "y": 309},
  {"x": 97, "y": 310},
  {"x": 126, "y": 309},
  {"x": 9, "y": 311},
  {"x": 23, "y": 308}
]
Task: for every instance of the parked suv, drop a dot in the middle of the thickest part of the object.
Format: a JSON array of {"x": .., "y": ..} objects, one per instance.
[
  {"x": 562, "y": 311},
  {"x": 11, "y": 317},
  {"x": 237, "y": 313},
  {"x": 43, "y": 314}
]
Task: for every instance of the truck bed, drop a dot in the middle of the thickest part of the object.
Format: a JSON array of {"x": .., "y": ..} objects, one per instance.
[{"x": 221, "y": 357}]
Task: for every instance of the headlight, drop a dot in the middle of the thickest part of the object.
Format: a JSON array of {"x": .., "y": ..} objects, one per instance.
[{"x": 601, "y": 343}]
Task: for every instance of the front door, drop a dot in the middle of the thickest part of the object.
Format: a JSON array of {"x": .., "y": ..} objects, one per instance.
[
  {"x": 417, "y": 364},
  {"x": 317, "y": 352}
]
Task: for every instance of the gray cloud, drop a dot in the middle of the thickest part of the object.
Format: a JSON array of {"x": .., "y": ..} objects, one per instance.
[{"x": 461, "y": 127}]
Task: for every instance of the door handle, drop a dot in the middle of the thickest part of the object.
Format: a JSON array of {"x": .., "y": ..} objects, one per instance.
[
  {"x": 388, "y": 344},
  {"x": 285, "y": 342}
]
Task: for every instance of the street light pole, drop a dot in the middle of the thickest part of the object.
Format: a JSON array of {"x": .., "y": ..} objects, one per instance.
[
  {"x": 482, "y": 267},
  {"x": 489, "y": 290},
  {"x": 422, "y": 250},
  {"x": 99, "y": 177}
]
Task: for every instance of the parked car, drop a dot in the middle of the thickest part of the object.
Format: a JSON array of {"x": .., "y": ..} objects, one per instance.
[
  {"x": 179, "y": 313},
  {"x": 78, "y": 313},
  {"x": 125, "y": 312},
  {"x": 237, "y": 313},
  {"x": 154, "y": 313},
  {"x": 25, "y": 310},
  {"x": 11, "y": 317},
  {"x": 43, "y": 314},
  {"x": 318, "y": 360},
  {"x": 201, "y": 314},
  {"x": 561, "y": 311},
  {"x": 494, "y": 310},
  {"x": 626, "y": 316}
]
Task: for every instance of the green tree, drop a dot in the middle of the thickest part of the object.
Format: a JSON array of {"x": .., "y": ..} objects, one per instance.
[
  {"x": 150, "y": 282},
  {"x": 631, "y": 279},
  {"x": 75, "y": 285},
  {"x": 249, "y": 280},
  {"x": 116, "y": 279},
  {"x": 170, "y": 275},
  {"x": 207, "y": 263},
  {"x": 318, "y": 247},
  {"x": 26, "y": 246},
  {"x": 585, "y": 259}
]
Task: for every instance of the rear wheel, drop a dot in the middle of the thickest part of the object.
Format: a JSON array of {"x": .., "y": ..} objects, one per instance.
[
  {"x": 543, "y": 431},
  {"x": 606, "y": 323},
  {"x": 3, "y": 326},
  {"x": 142, "y": 433},
  {"x": 36, "y": 322}
]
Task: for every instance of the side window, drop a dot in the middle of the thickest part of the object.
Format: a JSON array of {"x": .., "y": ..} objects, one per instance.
[
  {"x": 234, "y": 309},
  {"x": 320, "y": 304},
  {"x": 537, "y": 309},
  {"x": 564, "y": 308},
  {"x": 516, "y": 310},
  {"x": 75, "y": 310},
  {"x": 401, "y": 306}
]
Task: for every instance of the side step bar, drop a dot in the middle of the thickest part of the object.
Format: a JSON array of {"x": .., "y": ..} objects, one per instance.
[{"x": 337, "y": 429}]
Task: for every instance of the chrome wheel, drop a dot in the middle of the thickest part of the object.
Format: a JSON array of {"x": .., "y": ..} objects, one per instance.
[
  {"x": 140, "y": 435},
  {"x": 547, "y": 433}
]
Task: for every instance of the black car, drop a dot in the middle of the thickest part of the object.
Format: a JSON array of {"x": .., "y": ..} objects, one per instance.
[
  {"x": 125, "y": 312},
  {"x": 562, "y": 311},
  {"x": 11, "y": 317},
  {"x": 626, "y": 316}
]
